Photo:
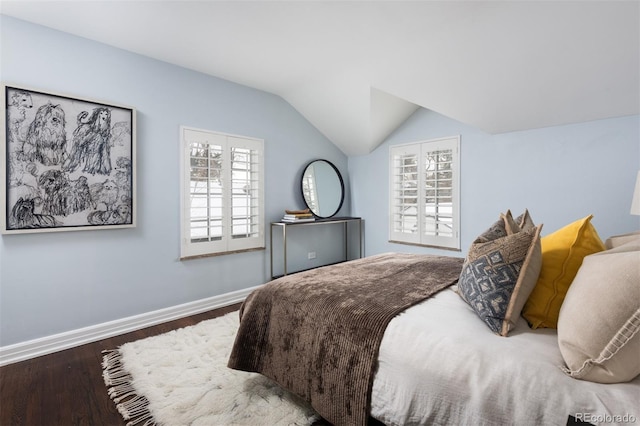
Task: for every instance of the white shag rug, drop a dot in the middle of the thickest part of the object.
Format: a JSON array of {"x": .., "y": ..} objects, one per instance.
[{"x": 181, "y": 378}]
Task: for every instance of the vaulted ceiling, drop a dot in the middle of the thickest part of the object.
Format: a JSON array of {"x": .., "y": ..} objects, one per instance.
[{"x": 357, "y": 69}]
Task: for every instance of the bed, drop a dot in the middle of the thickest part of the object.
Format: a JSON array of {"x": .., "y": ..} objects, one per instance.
[
  {"x": 406, "y": 339},
  {"x": 457, "y": 372}
]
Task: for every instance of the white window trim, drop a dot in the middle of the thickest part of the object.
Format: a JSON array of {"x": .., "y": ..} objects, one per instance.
[
  {"x": 419, "y": 149},
  {"x": 227, "y": 244}
]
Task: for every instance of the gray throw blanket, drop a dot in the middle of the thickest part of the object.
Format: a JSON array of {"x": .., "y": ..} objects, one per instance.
[{"x": 317, "y": 333}]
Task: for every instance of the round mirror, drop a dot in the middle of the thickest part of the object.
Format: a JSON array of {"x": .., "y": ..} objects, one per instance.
[{"x": 322, "y": 188}]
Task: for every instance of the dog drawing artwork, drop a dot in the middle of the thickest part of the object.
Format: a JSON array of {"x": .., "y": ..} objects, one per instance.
[
  {"x": 56, "y": 192},
  {"x": 124, "y": 212},
  {"x": 113, "y": 197},
  {"x": 23, "y": 174},
  {"x": 19, "y": 102},
  {"x": 80, "y": 195},
  {"x": 46, "y": 139},
  {"x": 117, "y": 216},
  {"x": 104, "y": 193},
  {"x": 23, "y": 216},
  {"x": 102, "y": 217},
  {"x": 91, "y": 143},
  {"x": 120, "y": 133},
  {"x": 63, "y": 196},
  {"x": 23, "y": 181},
  {"x": 123, "y": 176},
  {"x": 68, "y": 162}
]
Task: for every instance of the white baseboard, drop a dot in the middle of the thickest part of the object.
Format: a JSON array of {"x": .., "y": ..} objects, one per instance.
[{"x": 58, "y": 342}]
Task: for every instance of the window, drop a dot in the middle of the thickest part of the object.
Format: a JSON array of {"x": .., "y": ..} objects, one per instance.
[
  {"x": 222, "y": 193},
  {"x": 424, "y": 193}
]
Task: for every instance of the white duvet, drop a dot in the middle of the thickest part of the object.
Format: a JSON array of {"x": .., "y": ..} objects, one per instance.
[{"x": 439, "y": 364}]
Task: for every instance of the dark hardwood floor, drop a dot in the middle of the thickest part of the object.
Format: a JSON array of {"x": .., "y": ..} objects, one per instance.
[{"x": 66, "y": 388}]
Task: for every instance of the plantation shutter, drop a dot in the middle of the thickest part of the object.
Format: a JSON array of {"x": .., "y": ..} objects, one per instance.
[
  {"x": 246, "y": 194},
  {"x": 438, "y": 161},
  {"x": 424, "y": 193},
  {"x": 222, "y": 193},
  {"x": 405, "y": 188}
]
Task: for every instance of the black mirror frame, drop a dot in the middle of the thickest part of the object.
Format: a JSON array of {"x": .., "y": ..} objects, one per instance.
[{"x": 341, "y": 187}]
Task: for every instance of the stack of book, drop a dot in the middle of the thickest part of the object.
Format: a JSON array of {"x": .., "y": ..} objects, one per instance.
[{"x": 298, "y": 216}]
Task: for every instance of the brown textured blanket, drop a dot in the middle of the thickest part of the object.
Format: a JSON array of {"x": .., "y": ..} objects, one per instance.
[{"x": 317, "y": 333}]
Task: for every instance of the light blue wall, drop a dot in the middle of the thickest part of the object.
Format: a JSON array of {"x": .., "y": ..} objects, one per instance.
[
  {"x": 56, "y": 282},
  {"x": 560, "y": 174}
]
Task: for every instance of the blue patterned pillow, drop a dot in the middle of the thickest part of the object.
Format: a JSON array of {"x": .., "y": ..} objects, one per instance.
[{"x": 499, "y": 274}]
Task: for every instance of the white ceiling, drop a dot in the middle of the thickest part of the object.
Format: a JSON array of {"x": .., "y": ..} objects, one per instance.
[{"x": 357, "y": 69}]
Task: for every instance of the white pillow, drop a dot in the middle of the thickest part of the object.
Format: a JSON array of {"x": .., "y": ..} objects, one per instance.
[
  {"x": 599, "y": 322},
  {"x": 618, "y": 240}
]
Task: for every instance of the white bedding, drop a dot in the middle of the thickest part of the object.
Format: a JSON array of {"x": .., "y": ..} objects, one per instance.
[{"x": 439, "y": 364}]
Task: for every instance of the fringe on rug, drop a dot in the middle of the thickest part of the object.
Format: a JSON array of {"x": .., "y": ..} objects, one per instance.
[{"x": 133, "y": 407}]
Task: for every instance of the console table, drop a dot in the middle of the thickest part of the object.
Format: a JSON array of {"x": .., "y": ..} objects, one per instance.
[{"x": 335, "y": 221}]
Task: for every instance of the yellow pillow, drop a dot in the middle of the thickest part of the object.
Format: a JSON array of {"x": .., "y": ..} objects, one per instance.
[{"x": 562, "y": 254}]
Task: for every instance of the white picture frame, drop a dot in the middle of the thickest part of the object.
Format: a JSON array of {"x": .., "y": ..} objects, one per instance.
[{"x": 68, "y": 163}]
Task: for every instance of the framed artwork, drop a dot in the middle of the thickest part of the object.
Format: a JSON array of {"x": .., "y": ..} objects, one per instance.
[{"x": 68, "y": 163}]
